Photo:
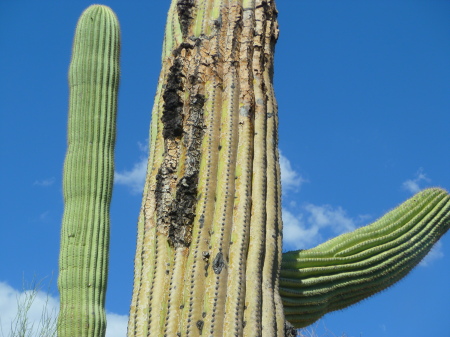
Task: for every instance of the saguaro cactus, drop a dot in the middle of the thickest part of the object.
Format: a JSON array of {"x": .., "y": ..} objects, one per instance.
[
  {"x": 88, "y": 173},
  {"x": 208, "y": 252}
]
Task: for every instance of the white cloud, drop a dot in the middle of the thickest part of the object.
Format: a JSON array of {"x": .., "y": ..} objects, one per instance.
[
  {"x": 116, "y": 325},
  {"x": 313, "y": 225},
  {"x": 41, "y": 303},
  {"x": 44, "y": 217},
  {"x": 435, "y": 253},
  {"x": 413, "y": 185},
  {"x": 290, "y": 179},
  {"x": 44, "y": 182},
  {"x": 134, "y": 178},
  {"x": 334, "y": 218},
  {"x": 296, "y": 234}
]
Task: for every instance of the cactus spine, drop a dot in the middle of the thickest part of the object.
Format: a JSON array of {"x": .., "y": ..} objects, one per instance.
[
  {"x": 88, "y": 173},
  {"x": 208, "y": 252}
]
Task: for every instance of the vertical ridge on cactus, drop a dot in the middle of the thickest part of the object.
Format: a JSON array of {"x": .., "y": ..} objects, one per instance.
[
  {"x": 88, "y": 173},
  {"x": 356, "y": 265}
]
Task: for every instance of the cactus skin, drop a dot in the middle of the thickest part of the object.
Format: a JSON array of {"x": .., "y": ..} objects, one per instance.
[
  {"x": 88, "y": 173},
  {"x": 208, "y": 254},
  {"x": 356, "y": 265}
]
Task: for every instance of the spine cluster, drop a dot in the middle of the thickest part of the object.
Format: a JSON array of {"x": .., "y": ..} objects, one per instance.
[
  {"x": 88, "y": 173},
  {"x": 209, "y": 232}
]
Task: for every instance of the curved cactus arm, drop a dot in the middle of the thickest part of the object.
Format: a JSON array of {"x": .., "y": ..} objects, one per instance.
[
  {"x": 88, "y": 173},
  {"x": 356, "y": 265}
]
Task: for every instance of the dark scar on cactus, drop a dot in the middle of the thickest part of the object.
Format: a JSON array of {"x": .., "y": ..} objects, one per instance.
[
  {"x": 218, "y": 263},
  {"x": 202, "y": 220},
  {"x": 184, "y": 45},
  {"x": 183, "y": 206},
  {"x": 289, "y": 330},
  {"x": 173, "y": 105},
  {"x": 178, "y": 213},
  {"x": 184, "y": 9},
  {"x": 200, "y": 324},
  {"x": 182, "y": 211}
]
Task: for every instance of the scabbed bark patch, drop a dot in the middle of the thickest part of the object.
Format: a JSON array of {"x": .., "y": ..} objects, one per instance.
[
  {"x": 184, "y": 8},
  {"x": 173, "y": 104},
  {"x": 218, "y": 263}
]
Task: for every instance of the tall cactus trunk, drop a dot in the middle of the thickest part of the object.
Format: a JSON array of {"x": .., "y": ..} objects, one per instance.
[
  {"x": 88, "y": 174},
  {"x": 209, "y": 251}
]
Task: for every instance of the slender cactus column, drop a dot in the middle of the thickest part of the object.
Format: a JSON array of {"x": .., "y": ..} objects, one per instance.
[
  {"x": 88, "y": 174},
  {"x": 209, "y": 232}
]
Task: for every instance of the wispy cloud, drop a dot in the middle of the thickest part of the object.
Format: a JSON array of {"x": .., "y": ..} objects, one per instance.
[
  {"x": 308, "y": 225},
  {"x": 116, "y": 325},
  {"x": 9, "y": 300},
  {"x": 296, "y": 233},
  {"x": 44, "y": 302},
  {"x": 45, "y": 216},
  {"x": 290, "y": 179},
  {"x": 414, "y": 185},
  {"x": 334, "y": 218},
  {"x": 313, "y": 224},
  {"x": 45, "y": 182},
  {"x": 134, "y": 178},
  {"x": 436, "y": 253}
]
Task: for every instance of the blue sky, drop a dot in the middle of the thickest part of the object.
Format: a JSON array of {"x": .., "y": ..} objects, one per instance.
[{"x": 363, "y": 91}]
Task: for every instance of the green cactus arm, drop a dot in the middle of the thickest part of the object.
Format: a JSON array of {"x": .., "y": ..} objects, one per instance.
[
  {"x": 88, "y": 173},
  {"x": 356, "y": 265}
]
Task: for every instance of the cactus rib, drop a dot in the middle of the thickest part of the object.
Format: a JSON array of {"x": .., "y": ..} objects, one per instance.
[
  {"x": 88, "y": 173},
  {"x": 353, "y": 266}
]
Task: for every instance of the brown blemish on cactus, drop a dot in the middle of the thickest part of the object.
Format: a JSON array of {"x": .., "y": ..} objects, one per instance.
[
  {"x": 173, "y": 104},
  {"x": 200, "y": 324},
  {"x": 183, "y": 45},
  {"x": 176, "y": 187},
  {"x": 183, "y": 206},
  {"x": 218, "y": 263},
  {"x": 185, "y": 9}
]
